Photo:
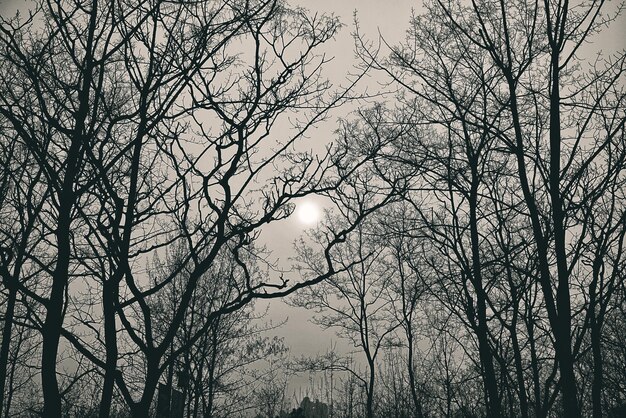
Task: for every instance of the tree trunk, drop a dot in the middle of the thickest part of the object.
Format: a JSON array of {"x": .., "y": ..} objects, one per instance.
[
  {"x": 558, "y": 309},
  {"x": 10, "y": 389},
  {"x": 51, "y": 332},
  {"x": 141, "y": 409},
  {"x": 370, "y": 389},
  {"x": 6, "y": 342},
  {"x": 482, "y": 330},
  {"x": 563, "y": 332},
  {"x": 54, "y": 308},
  {"x": 110, "y": 338},
  {"x": 519, "y": 370},
  {"x": 534, "y": 362},
  {"x": 523, "y": 400},
  {"x": 597, "y": 383},
  {"x": 214, "y": 347},
  {"x": 416, "y": 401}
]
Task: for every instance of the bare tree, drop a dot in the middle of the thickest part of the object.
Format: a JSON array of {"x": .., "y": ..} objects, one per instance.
[
  {"x": 354, "y": 302},
  {"x": 453, "y": 96},
  {"x": 407, "y": 286},
  {"x": 549, "y": 43},
  {"x": 217, "y": 373},
  {"x": 476, "y": 225},
  {"x": 552, "y": 118},
  {"x": 150, "y": 124}
]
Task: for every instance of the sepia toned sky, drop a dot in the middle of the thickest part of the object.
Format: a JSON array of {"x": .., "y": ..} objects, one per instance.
[{"x": 388, "y": 18}]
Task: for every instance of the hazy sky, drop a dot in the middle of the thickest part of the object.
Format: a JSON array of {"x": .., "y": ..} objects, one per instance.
[{"x": 390, "y": 19}]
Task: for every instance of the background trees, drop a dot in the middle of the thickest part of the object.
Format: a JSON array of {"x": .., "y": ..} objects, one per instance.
[{"x": 354, "y": 303}]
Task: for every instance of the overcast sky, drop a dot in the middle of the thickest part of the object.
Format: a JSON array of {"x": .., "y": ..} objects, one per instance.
[{"x": 390, "y": 19}]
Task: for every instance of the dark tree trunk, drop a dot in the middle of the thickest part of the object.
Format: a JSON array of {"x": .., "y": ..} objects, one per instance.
[
  {"x": 416, "y": 402},
  {"x": 482, "y": 330},
  {"x": 54, "y": 308},
  {"x": 519, "y": 371},
  {"x": 562, "y": 335},
  {"x": 370, "y": 389},
  {"x": 51, "y": 332},
  {"x": 534, "y": 364},
  {"x": 558, "y": 308},
  {"x": 597, "y": 383},
  {"x": 141, "y": 409},
  {"x": 13, "y": 362},
  {"x": 214, "y": 347},
  {"x": 110, "y": 338},
  {"x": 6, "y": 342}
]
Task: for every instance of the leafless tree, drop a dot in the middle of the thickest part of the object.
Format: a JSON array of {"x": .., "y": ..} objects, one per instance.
[
  {"x": 476, "y": 224},
  {"x": 151, "y": 129},
  {"x": 512, "y": 74},
  {"x": 354, "y": 303}
]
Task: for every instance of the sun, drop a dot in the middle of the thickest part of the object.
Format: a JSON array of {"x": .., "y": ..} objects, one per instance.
[{"x": 308, "y": 213}]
